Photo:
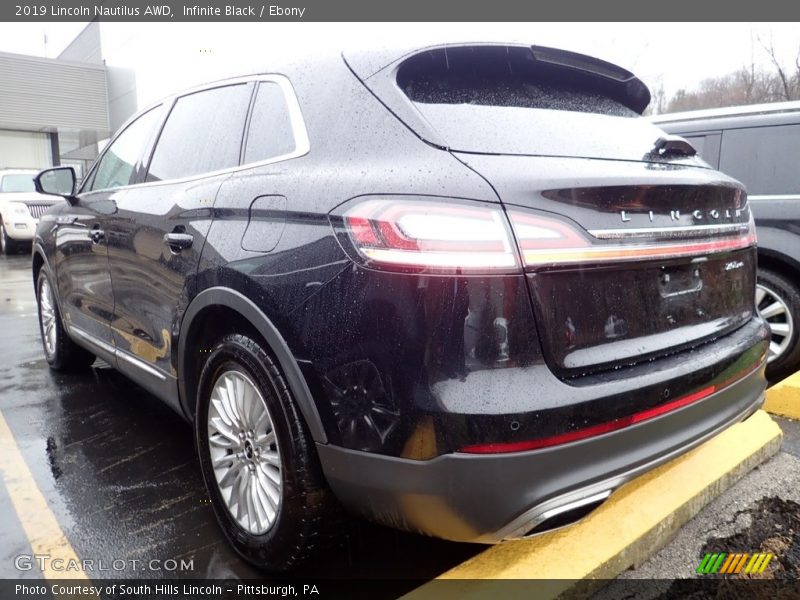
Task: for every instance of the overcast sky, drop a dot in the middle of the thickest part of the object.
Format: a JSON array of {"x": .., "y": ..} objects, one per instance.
[{"x": 169, "y": 56}]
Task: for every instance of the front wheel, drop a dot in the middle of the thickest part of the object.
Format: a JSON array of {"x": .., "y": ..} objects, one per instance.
[
  {"x": 778, "y": 302},
  {"x": 258, "y": 459},
  {"x": 61, "y": 352}
]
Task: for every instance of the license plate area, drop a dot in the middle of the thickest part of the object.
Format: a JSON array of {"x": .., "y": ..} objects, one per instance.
[
  {"x": 595, "y": 318},
  {"x": 680, "y": 280}
]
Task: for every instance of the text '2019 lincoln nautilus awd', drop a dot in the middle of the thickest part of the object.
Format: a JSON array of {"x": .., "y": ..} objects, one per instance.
[{"x": 462, "y": 290}]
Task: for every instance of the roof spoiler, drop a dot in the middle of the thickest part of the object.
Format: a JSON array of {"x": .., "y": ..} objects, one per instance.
[{"x": 615, "y": 81}]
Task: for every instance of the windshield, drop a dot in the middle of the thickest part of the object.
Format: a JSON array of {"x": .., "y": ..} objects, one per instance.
[{"x": 17, "y": 183}]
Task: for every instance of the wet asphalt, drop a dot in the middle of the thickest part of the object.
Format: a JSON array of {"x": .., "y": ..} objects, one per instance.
[{"x": 119, "y": 472}]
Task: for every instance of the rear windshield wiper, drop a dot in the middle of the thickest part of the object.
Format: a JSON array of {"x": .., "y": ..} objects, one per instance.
[{"x": 673, "y": 145}]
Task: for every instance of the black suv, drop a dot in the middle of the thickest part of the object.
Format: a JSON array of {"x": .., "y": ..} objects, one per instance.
[
  {"x": 760, "y": 146},
  {"x": 465, "y": 290}
]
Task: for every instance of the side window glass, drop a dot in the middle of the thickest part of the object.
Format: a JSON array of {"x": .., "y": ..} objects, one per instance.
[
  {"x": 763, "y": 158},
  {"x": 697, "y": 142},
  {"x": 118, "y": 165},
  {"x": 707, "y": 146},
  {"x": 270, "y": 133},
  {"x": 203, "y": 133}
]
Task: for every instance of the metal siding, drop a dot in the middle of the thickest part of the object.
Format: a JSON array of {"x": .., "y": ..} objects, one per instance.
[
  {"x": 86, "y": 47},
  {"x": 39, "y": 93}
]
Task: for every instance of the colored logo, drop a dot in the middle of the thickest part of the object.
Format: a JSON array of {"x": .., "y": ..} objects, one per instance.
[{"x": 723, "y": 563}]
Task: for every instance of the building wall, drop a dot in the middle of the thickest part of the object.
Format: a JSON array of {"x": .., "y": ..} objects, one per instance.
[
  {"x": 86, "y": 47},
  {"x": 25, "y": 149},
  {"x": 40, "y": 94},
  {"x": 121, "y": 96}
]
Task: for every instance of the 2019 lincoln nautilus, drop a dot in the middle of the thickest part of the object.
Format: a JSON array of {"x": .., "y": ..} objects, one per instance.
[{"x": 461, "y": 290}]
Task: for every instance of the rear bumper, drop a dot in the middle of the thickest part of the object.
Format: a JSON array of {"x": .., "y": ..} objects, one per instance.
[{"x": 488, "y": 498}]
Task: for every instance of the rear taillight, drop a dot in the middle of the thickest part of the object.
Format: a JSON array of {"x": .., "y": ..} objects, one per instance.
[
  {"x": 459, "y": 236},
  {"x": 546, "y": 241},
  {"x": 415, "y": 234}
]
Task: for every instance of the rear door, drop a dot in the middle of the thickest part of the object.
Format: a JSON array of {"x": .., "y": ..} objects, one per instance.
[{"x": 157, "y": 229}]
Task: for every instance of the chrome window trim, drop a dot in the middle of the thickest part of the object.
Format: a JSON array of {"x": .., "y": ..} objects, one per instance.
[{"x": 299, "y": 130}]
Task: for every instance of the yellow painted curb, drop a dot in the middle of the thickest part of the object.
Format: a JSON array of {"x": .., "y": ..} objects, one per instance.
[
  {"x": 783, "y": 398},
  {"x": 637, "y": 520},
  {"x": 38, "y": 521}
]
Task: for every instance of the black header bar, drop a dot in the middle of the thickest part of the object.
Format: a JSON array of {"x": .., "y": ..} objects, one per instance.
[{"x": 402, "y": 10}]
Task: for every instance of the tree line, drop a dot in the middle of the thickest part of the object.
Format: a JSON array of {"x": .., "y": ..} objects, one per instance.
[{"x": 755, "y": 83}]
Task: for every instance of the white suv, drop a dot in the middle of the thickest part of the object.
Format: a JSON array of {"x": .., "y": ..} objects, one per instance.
[{"x": 20, "y": 208}]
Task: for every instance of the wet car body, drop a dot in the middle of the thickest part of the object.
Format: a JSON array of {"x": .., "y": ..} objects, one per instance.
[{"x": 467, "y": 404}]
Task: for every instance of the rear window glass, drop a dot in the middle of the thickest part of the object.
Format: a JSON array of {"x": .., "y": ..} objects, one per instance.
[
  {"x": 17, "y": 183},
  {"x": 503, "y": 77},
  {"x": 509, "y": 100}
]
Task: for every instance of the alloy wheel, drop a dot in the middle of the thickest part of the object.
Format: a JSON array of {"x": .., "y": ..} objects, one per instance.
[
  {"x": 244, "y": 452},
  {"x": 776, "y": 313},
  {"x": 47, "y": 314}
]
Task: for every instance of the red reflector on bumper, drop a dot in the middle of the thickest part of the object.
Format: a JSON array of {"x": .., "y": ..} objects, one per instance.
[{"x": 595, "y": 430}]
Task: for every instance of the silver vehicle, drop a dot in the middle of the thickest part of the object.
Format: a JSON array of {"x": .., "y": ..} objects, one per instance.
[
  {"x": 20, "y": 209},
  {"x": 760, "y": 146}
]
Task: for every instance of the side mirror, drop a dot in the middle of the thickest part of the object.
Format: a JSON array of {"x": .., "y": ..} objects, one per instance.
[{"x": 59, "y": 181}]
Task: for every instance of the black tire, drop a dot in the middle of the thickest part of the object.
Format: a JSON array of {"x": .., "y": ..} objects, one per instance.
[
  {"x": 66, "y": 355},
  {"x": 788, "y": 361},
  {"x": 307, "y": 509},
  {"x": 7, "y": 245}
]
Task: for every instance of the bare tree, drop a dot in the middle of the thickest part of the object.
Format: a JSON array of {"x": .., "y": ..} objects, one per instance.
[
  {"x": 751, "y": 84},
  {"x": 789, "y": 81},
  {"x": 658, "y": 98}
]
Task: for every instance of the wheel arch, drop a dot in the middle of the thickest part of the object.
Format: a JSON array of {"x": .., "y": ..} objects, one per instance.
[
  {"x": 779, "y": 262},
  {"x": 238, "y": 308},
  {"x": 37, "y": 262}
]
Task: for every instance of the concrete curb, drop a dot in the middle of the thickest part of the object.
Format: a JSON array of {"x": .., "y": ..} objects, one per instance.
[
  {"x": 636, "y": 521},
  {"x": 783, "y": 398}
]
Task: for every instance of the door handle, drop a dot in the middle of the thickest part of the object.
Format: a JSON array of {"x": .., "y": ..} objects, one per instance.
[
  {"x": 97, "y": 235},
  {"x": 178, "y": 241}
]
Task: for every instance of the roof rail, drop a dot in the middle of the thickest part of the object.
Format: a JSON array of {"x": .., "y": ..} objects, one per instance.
[{"x": 728, "y": 111}]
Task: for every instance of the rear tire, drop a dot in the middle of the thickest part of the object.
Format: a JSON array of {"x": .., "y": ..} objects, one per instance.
[
  {"x": 255, "y": 447},
  {"x": 61, "y": 352},
  {"x": 778, "y": 301}
]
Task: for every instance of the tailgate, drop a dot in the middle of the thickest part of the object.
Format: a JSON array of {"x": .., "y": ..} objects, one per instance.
[{"x": 665, "y": 265}]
